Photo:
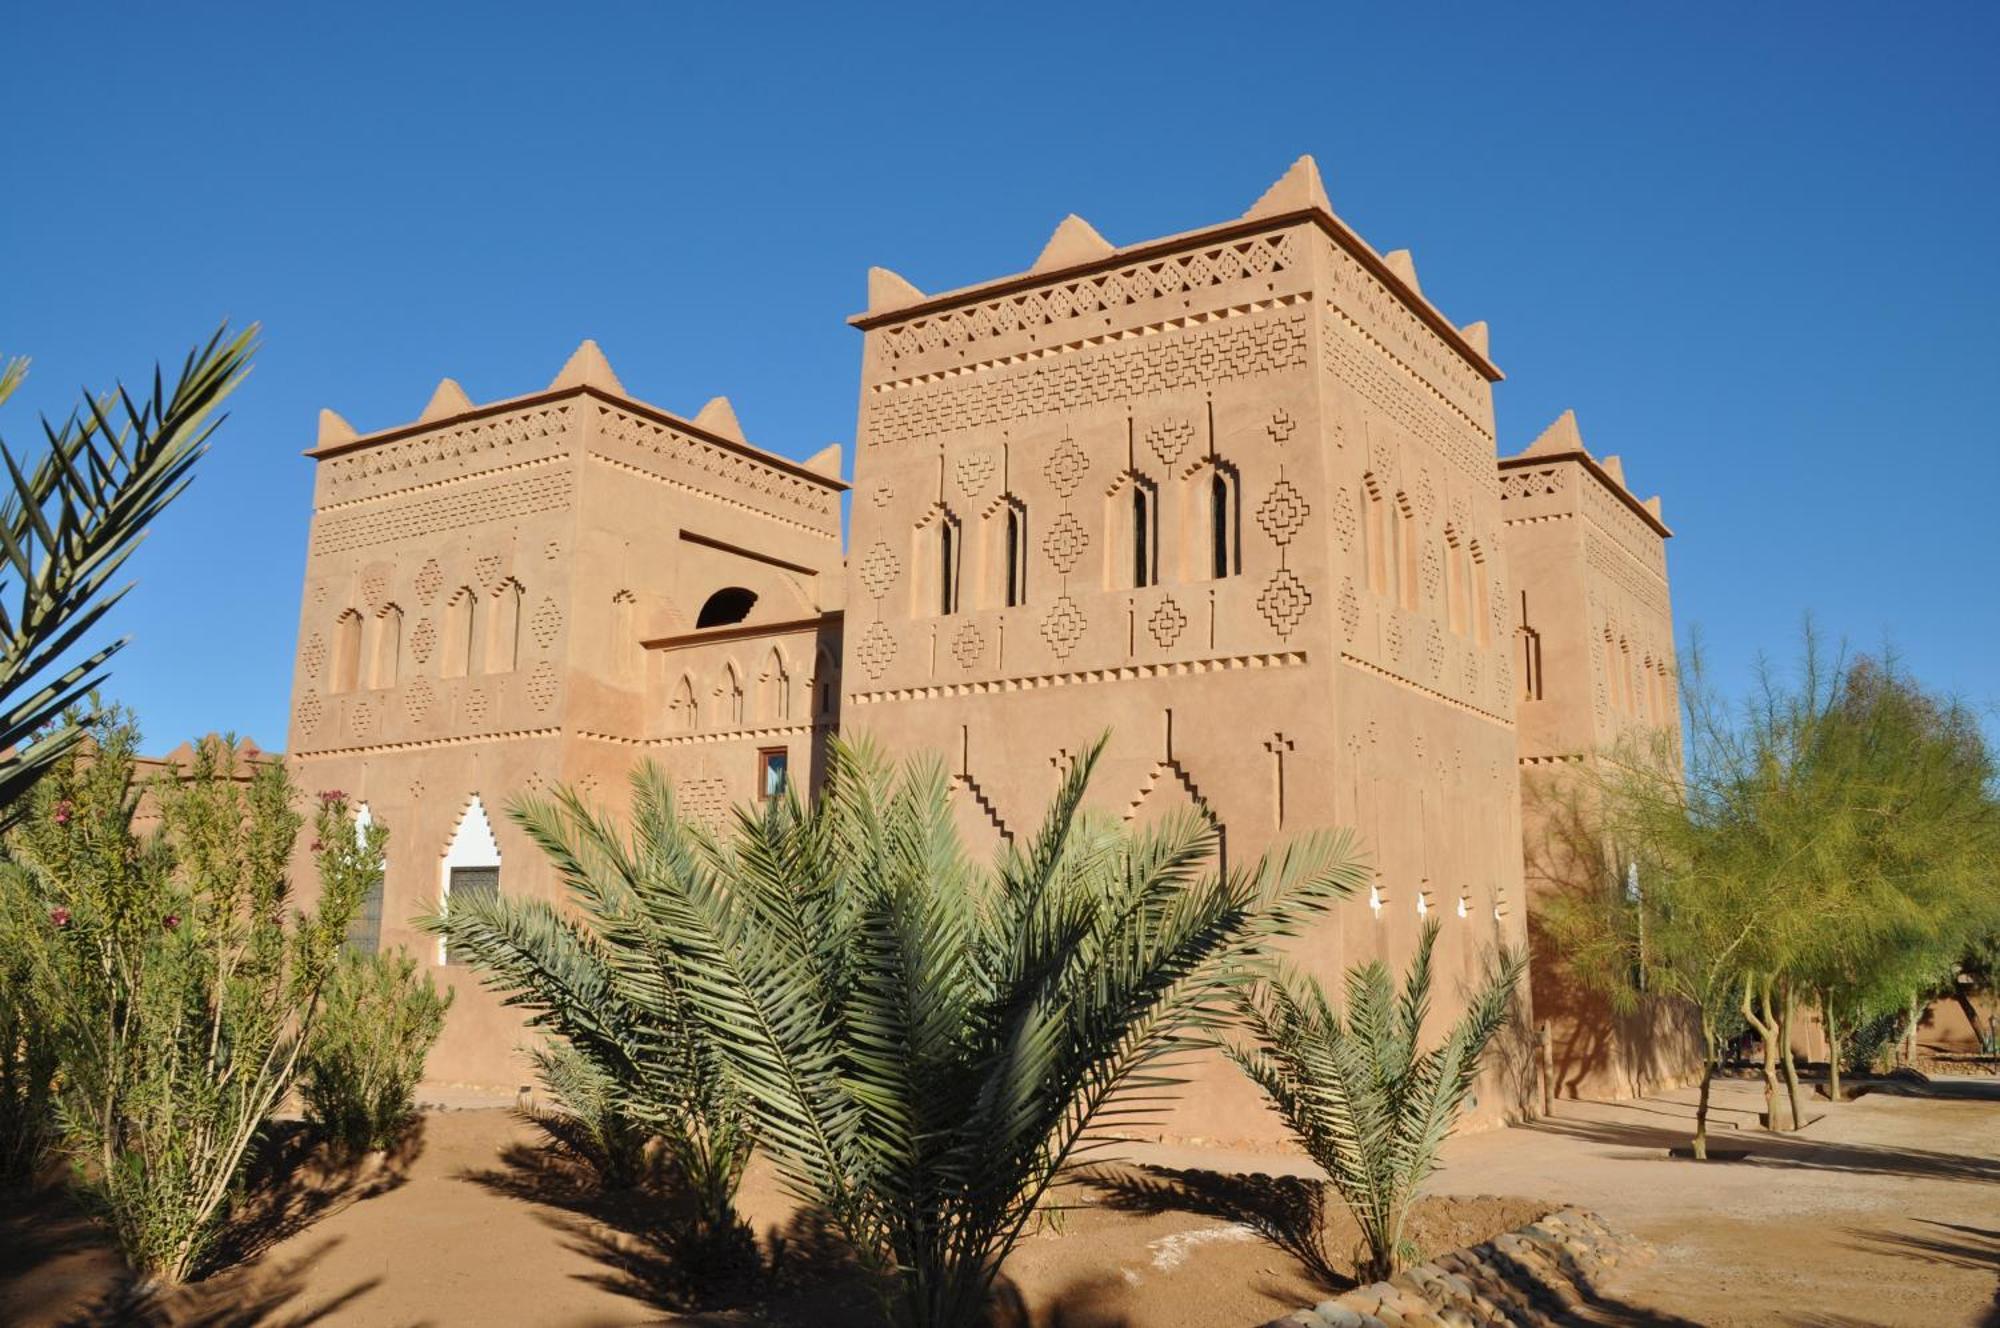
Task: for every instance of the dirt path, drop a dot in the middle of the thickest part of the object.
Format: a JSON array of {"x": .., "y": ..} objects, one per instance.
[{"x": 1889, "y": 1213}]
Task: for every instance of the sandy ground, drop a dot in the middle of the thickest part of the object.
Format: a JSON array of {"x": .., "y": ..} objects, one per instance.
[{"x": 1887, "y": 1212}]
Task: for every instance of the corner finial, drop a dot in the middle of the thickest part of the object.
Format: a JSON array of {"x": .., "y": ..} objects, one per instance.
[
  {"x": 1296, "y": 190},
  {"x": 449, "y": 399},
  {"x": 1615, "y": 468},
  {"x": 825, "y": 462},
  {"x": 333, "y": 429},
  {"x": 719, "y": 417},
  {"x": 889, "y": 290},
  {"x": 587, "y": 367},
  {"x": 1562, "y": 436},
  {"x": 1404, "y": 264},
  {"x": 1478, "y": 338},
  {"x": 1074, "y": 241}
]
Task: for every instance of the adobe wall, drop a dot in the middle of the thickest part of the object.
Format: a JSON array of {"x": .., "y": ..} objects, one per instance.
[{"x": 1293, "y": 693}]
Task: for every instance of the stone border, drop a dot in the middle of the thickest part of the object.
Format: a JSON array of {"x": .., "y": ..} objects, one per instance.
[{"x": 1531, "y": 1276}]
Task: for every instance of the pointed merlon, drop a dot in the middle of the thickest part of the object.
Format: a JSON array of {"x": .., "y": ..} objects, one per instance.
[
  {"x": 587, "y": 367},
  {"x": 448, "y": 400},
  {"x": 825, "y": 462},
  {"x": 1296, "y": 190},
  {"x": 1562, "y": 436},
  {"x": 1653, "y": 505},
  {"x": 333, "y": 429},
  {"x": 889, "y": 290},
  {"x": 1478, "y": 338},
  {"x": 1615, "y": 469},
  {"x": 1403, "y": 265},
  {"x": 719, "y": 417},
  {"x": 1074, "y": 241}
]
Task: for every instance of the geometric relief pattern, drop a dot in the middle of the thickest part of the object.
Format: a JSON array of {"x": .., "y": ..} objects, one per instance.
[
  {"x": 1426, "y": 494},
  {"x": 374, "y": 587},
  {"x": 1167, "y": 622},
  {"x": 967, "y": 645},
  {"x": 704, "y": 801},
  {"x": 546, "y": 623},
  {"x": 423, "y": 640},
  {"x": 361, "y": 719},
  {"x": 428, "y": 515},
  {"x": 1064, "y": 626},
  {"x": 309, "y": 713},
  {"x": 1283, "y": 601},
  {"x": 1066, "y": 468},
  {"x": 878, "y": 647},
  {"x": 428, "y": 581},
  {"x": 313, "y": 657},
  {"x": 1283, "y": 512},
  {"x": 475, "y": 705},
  {"x": 418, "y": 699},
  {"x": 1498, "y": 608},
  {"x": 1350, "y": 608},
  {"x": 1433, "y": 568},
  {"x": 1065, "y": 542},
  {"x": 973, "y": 472},
  {"x": 542, "y": 685},
  {"x": 1168, "y": 438},
  {"x": 1393, "y": 638},
  {"x": 879, "y": 569},
  {"x": 1345, "y": 522},
  {"x": 487, "y": 570},
  {"x": 1433, "y": 650}
]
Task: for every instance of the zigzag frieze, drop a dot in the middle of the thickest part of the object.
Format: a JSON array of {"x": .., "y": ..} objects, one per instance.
[
  {"x": 1061, "y": 303},
  {"x": 1605, "y": 555},
  {"x": 1123, "y": 673},
  {"x": 1609, "y": 513},
  {"x": 1241, "y": 342},
  {"x": 707, "y": 737},
  {"x": 1372, "y": 372},
  {"x": 727, "y": 499},
  {"x": 429, "y": 486},
  {"x": 1369, "y": 666},
  {"x": 719, "y": 470},
  {"x": 476, "y": 447},
  {"x": 1390, "y": 324},
  {"x": 549, "y": 491},
  {"x": 426, "y": 744}
]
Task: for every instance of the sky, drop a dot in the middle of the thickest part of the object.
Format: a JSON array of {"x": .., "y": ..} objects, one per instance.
[{"x": 1753, "y": 246}]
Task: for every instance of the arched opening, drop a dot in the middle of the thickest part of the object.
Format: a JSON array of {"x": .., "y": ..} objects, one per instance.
[
  {"x": 825, "y": 670},
  {"x": 1407, "y": 555},
  {"x": 344, "y": 668},
  {"x": 388, "y": 647},
  {"x": 1457, "y": 583},
  {"x": 775, "y": 688},
  {"x": 503, "y": 646},
  {"x": 1225, "y": 524},
  {"x": 731, "y": 604},
  {"x": 732, "y": 694},
  {"x": 364, "y": 932},
  {"x": 948, "y": 564},
  {"x": 1145, "y": 537},
  {"x": 1016, "y": 552},
  {"x": 1375, "y": 534},
  {"x": 471, "y": 867},
  {"x": 687, "y": 710},
  {"x": 461, "y": 622}
]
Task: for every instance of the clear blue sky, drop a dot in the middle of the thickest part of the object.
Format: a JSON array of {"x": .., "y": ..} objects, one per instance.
[{"x": 1757, "y": 247}]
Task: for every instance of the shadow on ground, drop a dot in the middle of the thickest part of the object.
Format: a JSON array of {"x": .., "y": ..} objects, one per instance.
[
  {"x": 1785, "y": 1151},
  {"x": 1287, "y": 1211}
]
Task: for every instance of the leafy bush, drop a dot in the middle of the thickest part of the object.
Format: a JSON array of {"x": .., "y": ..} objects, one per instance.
[
  {"x": 1367, "y": 1106},
  {"x": 178, "y": 985},
  {"x": 360, "y": 1070},
  {"x": 27, "y": 1049}
]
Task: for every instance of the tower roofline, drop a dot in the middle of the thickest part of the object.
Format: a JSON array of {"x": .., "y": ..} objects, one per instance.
[
  {"x": 342, "y": 446},
  {"x": 1645, "y": 511},
  {"x": 1332, "y": 226}
]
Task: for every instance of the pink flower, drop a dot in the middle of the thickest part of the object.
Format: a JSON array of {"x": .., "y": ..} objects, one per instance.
[
  {"x": 318, "y": 847},
  {"x": 171, "y": 921},
  {"x": 328, "y": 797},
  {"x": 64, "y": 811},
  {"x": 59, "y": 915}
]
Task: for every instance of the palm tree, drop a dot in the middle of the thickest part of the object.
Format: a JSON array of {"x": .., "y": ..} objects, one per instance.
[
  {"x": 68, "y": 522},
  {"x": 1365, "y": 1103},
  {"x": 631, "y": 1058}
]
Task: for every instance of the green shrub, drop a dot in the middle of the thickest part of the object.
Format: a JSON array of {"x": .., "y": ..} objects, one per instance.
[
  {"x": 27, "y": 1048},
  {"x": 590, "y": 1123},
  {"x": 177, "y": 979},
  {"x": 359, "y": 1075}
]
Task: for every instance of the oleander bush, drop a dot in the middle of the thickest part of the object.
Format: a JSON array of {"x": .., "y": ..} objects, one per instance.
[{"x": 361, "y": 1067}]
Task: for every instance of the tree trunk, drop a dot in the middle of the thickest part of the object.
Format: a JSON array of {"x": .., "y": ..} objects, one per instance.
[
  {"x": 1768, "y": 1037},
  {"x": 1909, "y": 1056},
  {"x": 1787, "y": 1006},
  {"x": 1710, "y": 1053},
  {"x": 1832, "y": 1046}
]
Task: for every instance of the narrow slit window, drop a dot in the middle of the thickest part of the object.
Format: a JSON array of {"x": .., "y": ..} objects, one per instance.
[
  {"x": 948, "y": 560},
  {"x": 1224, "y": 526},
  {"x": 1017, "y": 566},
  {"x": 1144, "y": 568}
]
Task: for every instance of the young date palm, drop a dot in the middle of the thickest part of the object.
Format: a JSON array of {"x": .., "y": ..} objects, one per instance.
[
  {"x": 1367, "y": 1105},
  {"x": 927, "y": 1046}
]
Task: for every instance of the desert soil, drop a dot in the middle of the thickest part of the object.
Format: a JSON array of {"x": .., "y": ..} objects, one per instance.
[{"x": 1886, "y": 1211}]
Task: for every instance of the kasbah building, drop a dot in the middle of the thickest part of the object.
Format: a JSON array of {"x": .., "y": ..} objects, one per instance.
[{"x": 1234, "y": 496}]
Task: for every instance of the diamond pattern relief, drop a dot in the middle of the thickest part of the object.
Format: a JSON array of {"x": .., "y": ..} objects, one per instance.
[
  {"x": 1283, "y": 601},
  {"x": 1433, "y": 568},
  {"x": 309, "y": 713},
  {"x": 374, "y": 588},
  {"x": 1350, "y": 608},
  {"x": 546, "y": 623},
  {"x": 1346, "y": 522},
  {"x": 542, "y": 685},
  {"x": 1169, "y": 438},
  {"x": 487, "y": 569},
  {"x": 1167, "y": 622},
  {"x": 313, "y": 656},
  {"x": 879, "y": 569},
  {"x": 973, "y": 472},
  {"x": 1064, "y": 626},
  {"x": 1433, "y": 650},
  {"x": 1427, "y": 494},
  {"x": 1283, "y": 512},
  {"x": 418, "y": 699},
  {"x": 475, "y": 705},
  {"x": 1498, "y": 607},
  {"x": 423, "y": 640},
  {"x": 361, "y": 719},
  {"x": 1392, "y": 638},
  {"x": 967, "y": 645},
  {"x": 878, "y": 647},
  {"x": 1066, "y": 467},
  {"x": 1281, "y": 426},
  {"x": 429, "y": 580},
  {"x": 1065, "y": 542}
]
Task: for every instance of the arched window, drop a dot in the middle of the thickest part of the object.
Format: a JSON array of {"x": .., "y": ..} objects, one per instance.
[
  {"x": 731, "y": 604},
  {"x": 1457, "y": 582},
  {"x": 1475, "y": 597},
  {"x": 775, "y": 688},
  {"x": 344, "y": 668},
  {"x": 1531, "y": 655},
  {"x": 364, "y": 931},
  {"x": 1142, "y": 517},
  {"x": 732, "y": 693},
  {"x": 949, "y": 557},
  {"x": 471, "y": 866},
  {"x": 1225, "y": 523},
  {"x": 824, "y": 670},
  {"x": 1375, "y": 533},
  {"x": 503, "y": 645},
  {"x": 1015, "y": 551},
  {"x": 461, "y": 624},
  {"x": 387, "y": 647},
  {"x": 687, "y": 710},
  {"x": 1406, "y": 549}
]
